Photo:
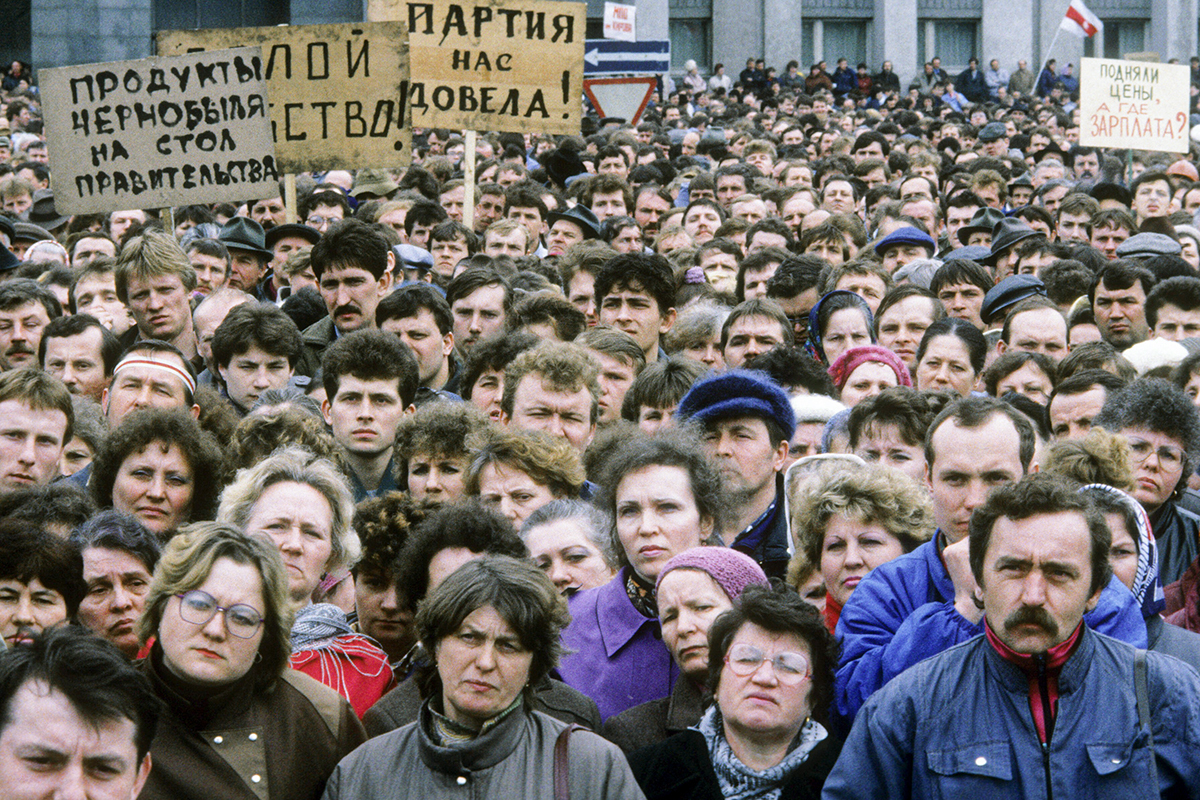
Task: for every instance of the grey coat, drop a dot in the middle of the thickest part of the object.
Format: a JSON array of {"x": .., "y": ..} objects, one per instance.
[{"x": 513, "y": 759}]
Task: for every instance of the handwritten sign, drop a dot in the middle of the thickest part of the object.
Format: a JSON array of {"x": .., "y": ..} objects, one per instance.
[
  {"x": 338, "y": 92},
  {"x": 503, "y": 65},
  {"x": 159, "y": 132},
  {"x": 619, "y": 22},
  {"x": 1134, "y": 104}
]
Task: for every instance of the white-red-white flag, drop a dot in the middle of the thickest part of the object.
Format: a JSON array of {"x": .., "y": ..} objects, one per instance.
[{"x": 1081, "y": 22}]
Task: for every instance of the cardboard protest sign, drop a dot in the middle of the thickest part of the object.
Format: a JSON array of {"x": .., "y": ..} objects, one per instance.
[
  {"x": 338, "y": 92},
  {"x": 159, "y": 132},
  {"x": 1134, "y": 104},
  {"x": 503, "y": 65}
]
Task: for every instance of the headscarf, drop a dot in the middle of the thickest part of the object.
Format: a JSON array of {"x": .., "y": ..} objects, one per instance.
[
  {"x": 1146, "y": 586},
  {"x": 815, "y": 336}
]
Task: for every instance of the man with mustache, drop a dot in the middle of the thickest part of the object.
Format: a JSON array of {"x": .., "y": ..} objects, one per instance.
[
  {"x": 26, "y": 308},
  {"x": 923, "y": 603},
  {"x": 1042, "y": 705},
  {"x": 354, "y": 267}
]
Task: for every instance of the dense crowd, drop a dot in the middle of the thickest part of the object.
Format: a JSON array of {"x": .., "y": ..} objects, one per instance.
[{"x": 809, "y": 438}]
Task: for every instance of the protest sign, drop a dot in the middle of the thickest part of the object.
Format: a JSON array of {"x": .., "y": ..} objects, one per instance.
[
  {"x": 620, "y": 22},
  {"x": 338, "y": 92},
  {"x": 159, "y": 132},
  {"x": 503, "y": 65},
  {"x": 1134, "y": 104}
]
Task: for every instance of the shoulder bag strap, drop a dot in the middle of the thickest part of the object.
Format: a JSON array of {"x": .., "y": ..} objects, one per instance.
[{"x": 562, "y": 763}]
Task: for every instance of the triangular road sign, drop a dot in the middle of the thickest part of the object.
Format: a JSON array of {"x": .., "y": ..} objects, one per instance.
[{"x": 620, "y": 97}]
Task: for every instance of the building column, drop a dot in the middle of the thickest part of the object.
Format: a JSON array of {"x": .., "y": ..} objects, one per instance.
[
  {"x": 737, "y": 33},
  {"x": 653, "y": 20},
  {"x": 895, "y": 38},
  {"x": 1008, "y": 34},
  {"x": 1172, "y": 29},
  {"x": 782, "y": 34}
]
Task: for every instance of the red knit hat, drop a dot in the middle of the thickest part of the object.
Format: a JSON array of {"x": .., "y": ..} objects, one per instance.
[{"x": 855, "y": 357}]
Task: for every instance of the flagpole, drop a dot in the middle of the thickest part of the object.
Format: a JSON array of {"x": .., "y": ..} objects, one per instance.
[{"x": 1049, "y": 50}]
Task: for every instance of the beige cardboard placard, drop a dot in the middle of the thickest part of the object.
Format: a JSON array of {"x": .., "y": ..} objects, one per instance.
[
  {"x": 1134, "y": 104},
  {"x": 338, "y": 92},
  {"x": 493, "y": 65},
  {"x": 159, "y": 132}
]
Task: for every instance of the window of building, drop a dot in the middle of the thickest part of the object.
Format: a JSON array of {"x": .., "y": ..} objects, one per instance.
[
  {"x": 955, "y": 42},
  {"x": 831, "y": 39},
  {"x": 172, "y": 15},
  {"x": 1120, "y": 36}
]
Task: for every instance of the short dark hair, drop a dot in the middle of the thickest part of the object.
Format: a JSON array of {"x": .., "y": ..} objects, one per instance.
[
  {"x": 1181, "y": 292},
  {"x": 759, "y": 307},
  {"x": 902, "y": 406},
  {"x": 475, "y": 278},
  {"x": 541, "y": 307},
  {"x": 676, "y": 447},
  {"x": 965, "y": 332},
  {"x": 138, "y": 430},
  {"x": 17, "y": 292},
  {"x": 408, "y": 300},
  {"x": 112, "y": 530},
  {"x": 493, "y": 353},
  {"x": 975, "y": 412},
  {"x": 1122, "y": 274},
  {"x": 467, "y": 524},
  {"x": 643, "y": 272},
  {"x": 450, "y": 229},
  {"x": 521, "y": 595},
  {"x": 1035, "y": 495},
  {"x": 961, "y": 270},
  {"x": 778, "y": 609},
  {"x": 1157, "y": 406},
  {"x": 1011, "y": 361},
  {"x": 261, "y": 325},
  {"x": 100, "y": 683},
  {"x": 371, "y": 354},
  {"x": 75, "y": 324},
  {"x": 661, "y": 385},
  {"x": 350, "y": 243},
  {"x": 791, "y": 367},
  {"x": 28, "y": 552}
]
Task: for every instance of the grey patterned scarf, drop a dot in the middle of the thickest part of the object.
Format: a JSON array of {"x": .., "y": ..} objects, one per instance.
[{"x": 739, "y": 782}]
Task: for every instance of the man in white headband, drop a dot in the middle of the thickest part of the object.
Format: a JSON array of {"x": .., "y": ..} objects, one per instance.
[{"x": 152, "y": 374}]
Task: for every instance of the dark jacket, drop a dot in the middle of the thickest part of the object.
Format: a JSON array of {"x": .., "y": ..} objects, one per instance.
[
  {"x": 1174, "y": 641},
  {"x": 770, "y": 550},
  {"x": 247, "y": 743},
  {"x": 402, "y": 706},
  {"x": 316, "y": 338},
  {"x": 1177, "y": 533},
  {"x": 973, "y": 84},
  {"x": 886, "y": 81},
  {"x": 680, "y": 769},
  {"x": 844, "y": 81},
  {"x": 657, "y": 720}
]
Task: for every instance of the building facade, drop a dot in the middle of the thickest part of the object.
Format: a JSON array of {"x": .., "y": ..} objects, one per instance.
[{"x": 51, "y": 33}]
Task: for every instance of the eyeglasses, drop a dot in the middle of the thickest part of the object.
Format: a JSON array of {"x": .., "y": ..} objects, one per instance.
[
  {"x": 745, "y": 660},
  {"x": 1168, "y": 457},
  {"x": 316, "y": 221},
  {"x": 197, "y": 607}
]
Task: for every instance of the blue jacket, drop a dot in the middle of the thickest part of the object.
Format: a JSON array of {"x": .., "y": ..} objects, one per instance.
[
  {"x": 903, "y": 612},
  {"x": 959, "y": 725},
  {"x": 615, "y": 655}
]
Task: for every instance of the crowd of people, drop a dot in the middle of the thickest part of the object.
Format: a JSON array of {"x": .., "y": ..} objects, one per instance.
[{"x": 808, "y": 438}]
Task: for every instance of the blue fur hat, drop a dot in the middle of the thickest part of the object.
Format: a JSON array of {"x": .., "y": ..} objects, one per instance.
[{"x": 738, "y": 393}]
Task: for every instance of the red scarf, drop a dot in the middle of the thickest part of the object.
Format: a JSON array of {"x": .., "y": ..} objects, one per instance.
[
  {"x": 1055, "y": 658},
  {"x": 833, "y": 612}
]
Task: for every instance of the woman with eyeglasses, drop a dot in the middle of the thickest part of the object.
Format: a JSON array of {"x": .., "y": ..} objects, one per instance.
[
  {"x": 770, "y": 673},
  {"x": 237, "y": 723}
]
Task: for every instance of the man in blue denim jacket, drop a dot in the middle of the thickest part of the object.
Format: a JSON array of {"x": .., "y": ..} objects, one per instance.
[
  {"x": 921, "y": 604},
  {"x": 1040, "y": 705}
]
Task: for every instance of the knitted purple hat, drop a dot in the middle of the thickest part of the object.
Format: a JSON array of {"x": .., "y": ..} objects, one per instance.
[
  {"x": 855, "y": 357},
  {"x": 733, "y": 571}
]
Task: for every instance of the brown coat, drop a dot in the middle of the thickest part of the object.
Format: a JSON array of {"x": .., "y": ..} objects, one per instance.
[{"x": 249, "y": 744}]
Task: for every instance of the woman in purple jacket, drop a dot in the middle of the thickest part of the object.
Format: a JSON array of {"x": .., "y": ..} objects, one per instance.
[{"x": 664, "y": 497}]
